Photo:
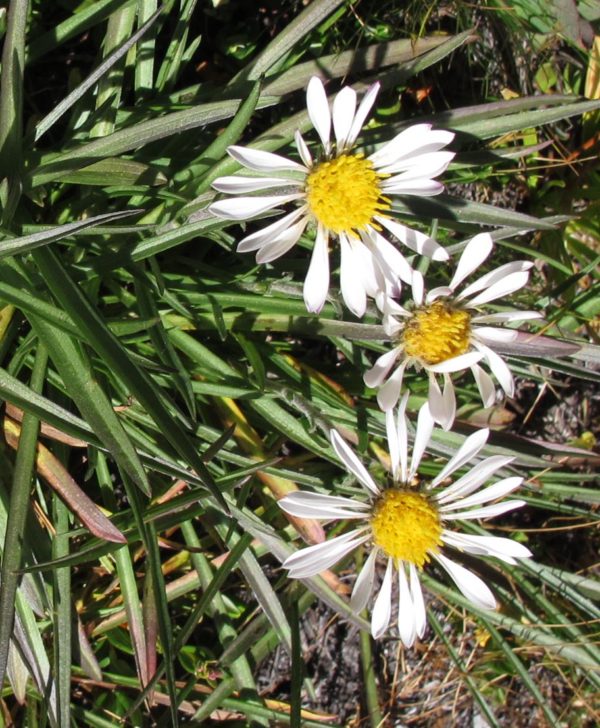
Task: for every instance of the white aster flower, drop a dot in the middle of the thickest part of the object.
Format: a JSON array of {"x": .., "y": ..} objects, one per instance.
[
  {"x": 344, "y": 194},
  {"x": 406, "y": 526},
  {"x": 445, "y": 332}
]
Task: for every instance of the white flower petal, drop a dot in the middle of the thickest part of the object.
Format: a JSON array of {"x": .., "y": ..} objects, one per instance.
[
  {"x": 499, "y": 369},
  {"x": 468, "y": 450},
  {"x": 344, "y": 108},
  {"x": 436, "y": 401},
  {"x": 406, "y": 611},
  {"x": 243, "y": 208},
  {"x": 363, "y": 111},
  {"x": 268, "y": 234},
  {"x": 472, "y": 587},
  {"x": 352, "y": 463},
  {"x": 375, "y": 376},
  {"x": 303, "y": 149},
  {"x": 402, "y": 434},
  {"x": 413, "y": 239},
  {"x": 487, "y": 390},
  {"x": 382, "y": 609},
  {"x": 506, "y": 317},
  {"x": 410, "y": 143},
  {"x": 241, "y": 185},
  {"x": 456, "y": 363},
  {"x": 393, "y": 442},
  {"x": 501, "y": 548},
  {"x": 418, "y": 287},
  {"x": 497, "y": 490},
  {"x": 305, "y": 504},
  {"x": 389, "y": 394},
  {"x": 494, "y": 334},
  {"x": 420, "y": 614},
  {"x": 363, "y": 585},
  {"x": 422, "y": 167},
  {"x": 353, "y": 292},
  {"x": 507, "y": 285},
  {"x": 393, "y": 263},
  {"x": 495, "y": 509},
  {"x": 421, "y": 187},
  {"x": 313, "y": 560},
  {"x": 261, "y": 161},
  {"x": 489, "y": 279},
  {"x": 278, "y": 247},
  {"x": 473, "y": 479},
  {"x": 449, "y": 399},
  {"x": 318, "y": 110},
  {"x": 422, "y": 438},
  {"x": 316, "y": 283},
  {"x": 476, "y": 251},
  {"x": 439, "y": 292}
]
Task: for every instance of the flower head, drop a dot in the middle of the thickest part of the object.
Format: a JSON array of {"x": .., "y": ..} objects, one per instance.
[
  {"x": 445, "y": 331},
  {"x": 407, "y": 526},
  {"x": 343, "y": 194}
]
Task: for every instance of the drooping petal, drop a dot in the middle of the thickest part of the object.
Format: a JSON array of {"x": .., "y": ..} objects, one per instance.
[
  {"x": 382, "y": 609},
  {"x": 393, "y": 263},
  {"x": 476, "y": 251},
  {"x": 413, "y": 239},
  {"x": 236, "y": 185},
  {"x": 353, "y": 292},
  {"x": 389, "y": 394},
  {"x": 363, "y": 111},
  {"x": 268, "y": 234},
  {"x": 313, "y": 560},
  {"x": 363, "y": 585},
  {"x": 261, "y": 161},
  {"x": 344, "y": 108},
  {"x": 243, "y": 208},
  {"x": 379, "y": 371},
  {"x": 449, "y": 399},
  {"x": 485, "y": 384},
  {"x": 472, "y": 587},
  {"x": 422, "y": 438},
  {"x": 402, "y": 434},
  {"x": 318, "y": 110},
  {"x": 406, "y": 612},
  {"x": 468, "y": 450},
  {"x": 305, "y": 504},
  {"x": 352, "y": 463},
  {"x": 316, "y": 283}
]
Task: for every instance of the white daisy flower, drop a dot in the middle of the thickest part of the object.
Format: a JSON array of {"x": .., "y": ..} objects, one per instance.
[
  {"x": 446, "y": 332},
  {"x": 406, "y": 527},
  {"x": 344, "y": 194}
]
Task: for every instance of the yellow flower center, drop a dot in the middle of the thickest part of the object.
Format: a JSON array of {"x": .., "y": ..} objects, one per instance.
[
  {"x": 344, "y": 193},
  {"x": 437, "y": 332},
  {"x": 406, "y": 526}
]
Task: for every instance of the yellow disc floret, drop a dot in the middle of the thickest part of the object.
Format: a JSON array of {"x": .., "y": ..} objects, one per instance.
[
  {"x": 406, "y": 526},
  {"x": 437, "y": 332},
  {"x": 344, "y": 194}
]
